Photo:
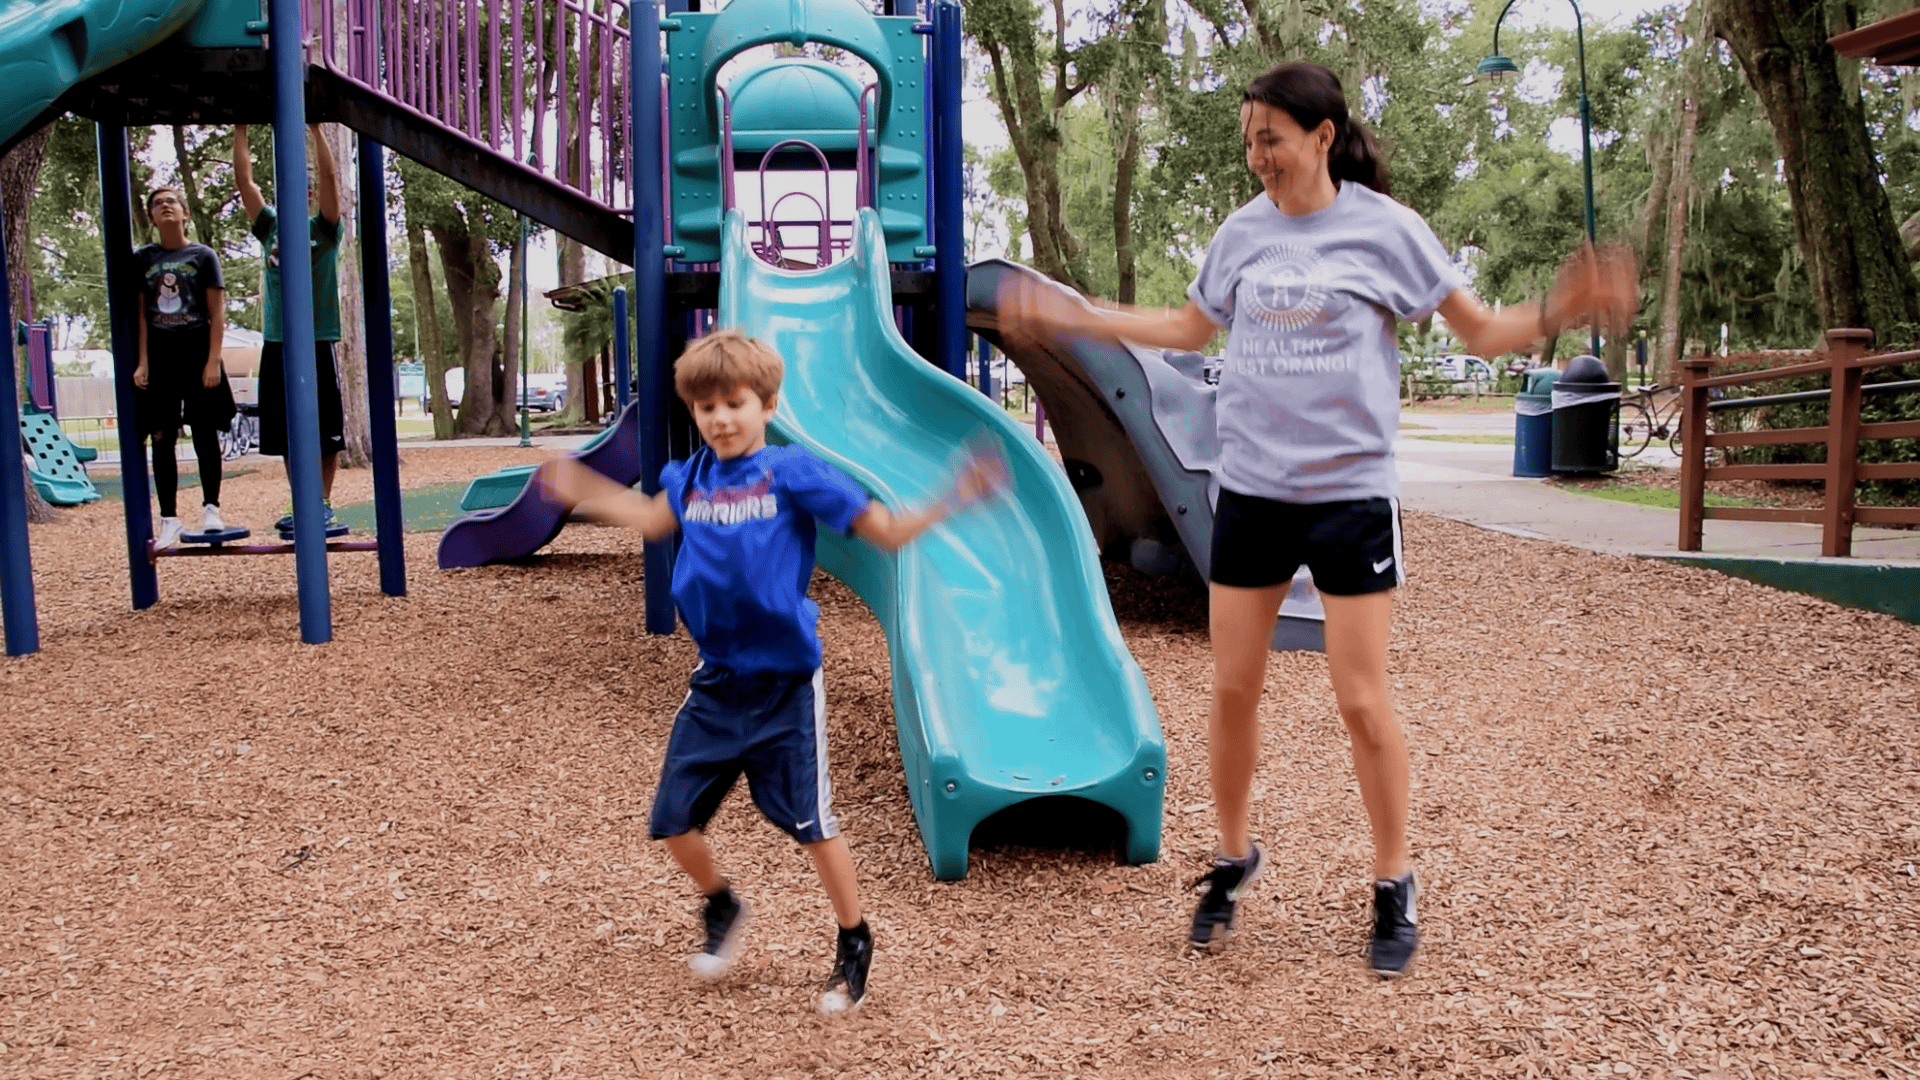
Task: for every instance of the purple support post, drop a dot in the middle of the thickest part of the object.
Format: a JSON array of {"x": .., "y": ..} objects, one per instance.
[
  {"x": 560, "y": 156},
  {"x": 493, "y": 76},
  {"x": 473, "y": 67},
  {"x": 519, "y": 84},
  {"x": 1039, "y": 421}
]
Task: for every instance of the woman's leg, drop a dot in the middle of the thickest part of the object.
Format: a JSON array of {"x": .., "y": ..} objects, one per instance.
[
  {"x": 166, "y": 474},
  {"x": 1241, "y": 622},
  {"x": 206, "y": 447},
  {"x": 1357, "y": 628}
]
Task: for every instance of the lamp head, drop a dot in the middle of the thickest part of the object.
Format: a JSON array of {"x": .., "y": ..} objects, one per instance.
[{"x": 1496, "y": 67}]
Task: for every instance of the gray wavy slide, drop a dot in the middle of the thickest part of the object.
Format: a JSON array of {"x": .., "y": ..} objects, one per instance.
[{"x": 1136, "y": 433}]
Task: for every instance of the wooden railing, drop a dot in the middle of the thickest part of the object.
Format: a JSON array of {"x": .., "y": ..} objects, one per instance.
[{"x": 1845, "y": 362}]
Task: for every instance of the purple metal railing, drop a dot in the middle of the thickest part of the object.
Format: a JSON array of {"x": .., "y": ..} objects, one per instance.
[{"x": 426, "y": 56}]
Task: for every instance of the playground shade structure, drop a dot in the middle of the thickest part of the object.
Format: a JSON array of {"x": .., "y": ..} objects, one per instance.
[{"x": 1010, "y": 678}]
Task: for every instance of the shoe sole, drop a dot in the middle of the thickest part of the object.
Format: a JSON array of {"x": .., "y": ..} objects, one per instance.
[
  {"x": 720, "y": 963},
  {"x": 1386, "y": 974},
  {"x": 827, "y": 1007}
]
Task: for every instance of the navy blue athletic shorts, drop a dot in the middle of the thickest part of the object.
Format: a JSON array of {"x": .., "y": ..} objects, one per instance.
[
  {"x": 771, "y": 726},
  {"x": 1353, "y": 547}
]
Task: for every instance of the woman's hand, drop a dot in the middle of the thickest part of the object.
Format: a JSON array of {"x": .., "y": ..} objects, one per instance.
[
  {"x": 140, "y": 375},
  {"x": 210, "y": 377},
  {"x": 1598, "y": 287}
]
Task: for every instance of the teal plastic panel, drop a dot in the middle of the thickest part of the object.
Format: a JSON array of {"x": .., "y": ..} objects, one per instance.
[
  {"x": 46, "y": 47},
  {"x": 1010, "y": 678},
  {"x": 57, "y": 473},
  {"x": 222, "y": 24},
  {"x": 704, "y": 42}
]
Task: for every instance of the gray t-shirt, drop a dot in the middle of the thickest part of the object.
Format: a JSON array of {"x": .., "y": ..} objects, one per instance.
[{"x": 1310, "y": 390}]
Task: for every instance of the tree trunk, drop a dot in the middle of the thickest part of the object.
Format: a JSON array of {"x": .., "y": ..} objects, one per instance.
[
  {"x": 1667, "y": 357},
  {"x": 1660, "y": 161},
  {"x": 426, "y": 320},
  {"x": 510, "y": 349},
  {"x": 19, "y": 177},
  {"x": 473, "y": 286},
  {"x": 1842, "y": 219},
  {"x": 1129, "y": 154},
  {"x": 352, "y": 352},
  {"x": 573, "y": 270},
  {"x": 205, "y": 229}
]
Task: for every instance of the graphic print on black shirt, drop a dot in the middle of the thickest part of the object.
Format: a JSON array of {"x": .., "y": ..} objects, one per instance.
[{"x": 174, "y": 284}]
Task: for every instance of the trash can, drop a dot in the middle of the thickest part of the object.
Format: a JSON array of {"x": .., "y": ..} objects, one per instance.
[
  {"x": 1586, "y": 409},
  {"x": 1533, "y": 424}
]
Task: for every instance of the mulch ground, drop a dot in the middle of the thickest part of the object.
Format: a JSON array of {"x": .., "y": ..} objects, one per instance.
[{"x": 1665, "y": 820}]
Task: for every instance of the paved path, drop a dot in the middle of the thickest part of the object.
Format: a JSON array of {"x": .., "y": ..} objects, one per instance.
[{"x": 1475, "y": 484}]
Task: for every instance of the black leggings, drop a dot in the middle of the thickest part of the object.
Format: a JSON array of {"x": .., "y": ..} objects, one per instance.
[{"x": 166, "y": 475}]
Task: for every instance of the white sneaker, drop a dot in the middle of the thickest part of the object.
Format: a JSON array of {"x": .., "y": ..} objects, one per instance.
[
  {"x": 169, "y": 534},
  {"x": 210, "y": 519}
]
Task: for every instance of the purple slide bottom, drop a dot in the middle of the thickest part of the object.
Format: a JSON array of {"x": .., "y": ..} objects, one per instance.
[{"x": 531, "y": 521}]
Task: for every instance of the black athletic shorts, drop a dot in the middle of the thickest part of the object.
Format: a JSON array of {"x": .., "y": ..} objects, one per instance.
[
  {"x": 771, "y": 726},
  {"x": 1353, "y": 548},
  {"x": 174, "y": 394},
  {"x": 273, "y": 401}
]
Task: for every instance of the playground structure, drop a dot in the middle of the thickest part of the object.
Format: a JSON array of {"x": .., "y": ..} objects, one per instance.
[{"x": 1011, "y": 681}]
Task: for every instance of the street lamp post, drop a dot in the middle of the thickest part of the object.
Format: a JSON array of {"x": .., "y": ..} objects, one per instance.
[{"x": 1498, "y": 66}]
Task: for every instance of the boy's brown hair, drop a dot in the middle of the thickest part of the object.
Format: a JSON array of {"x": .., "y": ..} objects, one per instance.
[{"x": 726, "y": 359}]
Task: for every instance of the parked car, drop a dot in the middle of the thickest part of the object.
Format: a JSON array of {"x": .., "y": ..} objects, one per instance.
[
  {"x": 1463, "y": 368},
  {"x": 456, "y": 386},
  {"x": 542, "y": 393}
]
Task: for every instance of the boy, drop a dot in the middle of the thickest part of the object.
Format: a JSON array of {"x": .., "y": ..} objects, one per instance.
[
  {"x": 324, "y": 231},
  {"x": 746, "y": 512}
]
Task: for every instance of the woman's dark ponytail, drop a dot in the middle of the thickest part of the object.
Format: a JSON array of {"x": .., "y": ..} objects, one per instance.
[{"x": 1310, "y": 93}]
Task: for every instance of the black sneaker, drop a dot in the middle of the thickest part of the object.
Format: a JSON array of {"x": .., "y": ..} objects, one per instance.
[
  {"x": 726, "y": 918},
  {"x": 1213, "y": 920},
  {"x": 847, "y": 986},
  {"x": 1395, "y": 936}
]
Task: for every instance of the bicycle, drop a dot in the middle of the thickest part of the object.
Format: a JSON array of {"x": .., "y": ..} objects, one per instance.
[
  {"x": 1653, "y": 412},
  {"x": 243, "y": 434}
]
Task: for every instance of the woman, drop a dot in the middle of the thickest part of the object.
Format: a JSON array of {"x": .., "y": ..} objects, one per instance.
[
  {"x": 183, "y": 317},
  {"x": 1308, "y": 280}
]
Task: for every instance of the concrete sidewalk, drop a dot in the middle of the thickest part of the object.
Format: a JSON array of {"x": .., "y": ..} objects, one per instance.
[{"x": 1475, "y": 484}]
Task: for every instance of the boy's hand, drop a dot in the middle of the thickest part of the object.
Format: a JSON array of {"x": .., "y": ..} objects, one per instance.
[
  {"x": 983, "y": 476},
  {"x": 140, "y": 375}
]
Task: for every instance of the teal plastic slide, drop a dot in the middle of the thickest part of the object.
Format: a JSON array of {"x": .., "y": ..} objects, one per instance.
[
  {"x": 1010, "y": 679},
  {"x": 48, "y": 45}
]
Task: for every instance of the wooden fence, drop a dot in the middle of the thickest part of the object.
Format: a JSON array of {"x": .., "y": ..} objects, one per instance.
[{"x": 1844, "y": 362}]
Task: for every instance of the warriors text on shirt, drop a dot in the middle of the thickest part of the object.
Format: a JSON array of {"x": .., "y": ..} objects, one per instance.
[{"x": 731, "y": 506}]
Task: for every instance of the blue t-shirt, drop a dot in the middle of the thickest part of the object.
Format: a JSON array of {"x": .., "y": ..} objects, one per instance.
[{"x": 746, "y": 552}]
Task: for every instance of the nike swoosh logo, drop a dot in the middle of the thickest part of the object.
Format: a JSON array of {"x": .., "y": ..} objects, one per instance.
[
  {"x": 805, "y": 823},
  {"x": 1383, "y": 564}
]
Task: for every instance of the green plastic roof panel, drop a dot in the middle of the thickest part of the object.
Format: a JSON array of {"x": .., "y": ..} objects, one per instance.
[{"x": 703, "y": 43}]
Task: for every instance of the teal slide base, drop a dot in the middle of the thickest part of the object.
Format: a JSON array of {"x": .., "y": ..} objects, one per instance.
[
  {"x": 1889, "y": 588},
  {"x": 1011, "y": 681},
  {"x": 56, "y": 471}
]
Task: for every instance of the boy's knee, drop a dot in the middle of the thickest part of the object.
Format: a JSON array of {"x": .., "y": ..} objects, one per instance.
[{"x": 1370, "y": 723}]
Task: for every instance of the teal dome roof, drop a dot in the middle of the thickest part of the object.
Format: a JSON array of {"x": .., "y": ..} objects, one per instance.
[{"x": 796, "y": 98}]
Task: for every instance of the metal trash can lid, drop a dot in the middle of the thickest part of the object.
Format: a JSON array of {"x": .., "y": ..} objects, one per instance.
[{"x": 1586, "y": 371}]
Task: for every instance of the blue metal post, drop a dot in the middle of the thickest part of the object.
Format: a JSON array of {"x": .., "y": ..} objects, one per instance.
[
  {"x": 296, "y": 319},
  {"x": 116, "y": 233},
  {"x": 16, "y": 558},
  {"x": 949, "y": 216},
  {"x": 389, "y": 523},
  {"x": 622, "y": 351},
  {"x": 650, "y": 293},
  {"x": 984, "y": 354}
]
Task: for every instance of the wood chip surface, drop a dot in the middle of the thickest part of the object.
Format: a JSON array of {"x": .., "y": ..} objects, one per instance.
[{"x": 1666, "y": 823}]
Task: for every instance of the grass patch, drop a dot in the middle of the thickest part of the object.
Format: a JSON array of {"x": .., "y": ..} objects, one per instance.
[
  {"x": 1404, "y": 426},
  {"x": 112, "y": 487},
  {"x": 1477, "y": 440},
  {"x": 424, "y": 509},
  {"x": 1664, "y": 498}
]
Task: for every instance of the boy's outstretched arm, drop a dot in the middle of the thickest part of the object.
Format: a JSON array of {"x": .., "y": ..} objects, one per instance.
[
  {"x": 326, "y": 183},
  {"x": 983, "y": 475},
  {"x": 593, "y": 495}
]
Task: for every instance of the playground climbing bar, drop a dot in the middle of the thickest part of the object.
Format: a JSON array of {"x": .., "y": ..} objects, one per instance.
[
  {"x": 287, "y": 57},
  {"x": 389, "y": 524},
  {"x": 949, "y": 216},
  {"x": 16, "y": 558},
  {"x": 116, "y": 232},
  {"x": 650, "y": 293}
]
